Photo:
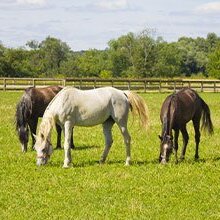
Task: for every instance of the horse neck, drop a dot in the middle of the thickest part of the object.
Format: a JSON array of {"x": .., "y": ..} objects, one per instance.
[{"x": 169, "y": 117}]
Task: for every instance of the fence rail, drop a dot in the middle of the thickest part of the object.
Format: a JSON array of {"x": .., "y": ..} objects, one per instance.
[{"x": 140, "y": 85}]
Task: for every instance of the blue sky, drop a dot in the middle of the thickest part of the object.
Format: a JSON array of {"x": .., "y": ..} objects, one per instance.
[{"x": 85, "y": 24}]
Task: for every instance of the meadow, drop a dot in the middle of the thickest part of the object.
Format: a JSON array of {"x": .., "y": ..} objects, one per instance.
[{"x": 144, "y": 190}]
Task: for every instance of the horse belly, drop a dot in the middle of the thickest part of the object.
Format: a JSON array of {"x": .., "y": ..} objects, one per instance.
[{"x": 91, "y": 119}]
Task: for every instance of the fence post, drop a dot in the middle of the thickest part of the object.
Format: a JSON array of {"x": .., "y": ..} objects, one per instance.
[
  {"x": 4, "y": 84},
  {"x": 189, "y": 84},
  {"x": 145, "y": 86},
  {"x": 129, "y": 85},
  {"x": 160, "y": 86},
  {"x": 215, "y": 86},
  {"x": 201, "y": 86},
  {"x": 33, "y": 82},
  {"x": 64, "y": 82},
  {"x": 174, "y": 86},
  {"x": 94, "y": 83}
]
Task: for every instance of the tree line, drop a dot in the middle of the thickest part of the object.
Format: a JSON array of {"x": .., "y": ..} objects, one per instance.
[{"x": 129, "y": 56}]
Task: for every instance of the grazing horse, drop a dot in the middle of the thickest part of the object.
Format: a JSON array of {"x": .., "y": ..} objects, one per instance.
[
  {"x": 74, "y": 107},
  {"x": 177, "y": 110},
  {"x": 32, "y": 106}
]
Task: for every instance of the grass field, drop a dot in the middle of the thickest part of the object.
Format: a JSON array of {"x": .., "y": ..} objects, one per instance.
[{"x": 145, "y": 190}]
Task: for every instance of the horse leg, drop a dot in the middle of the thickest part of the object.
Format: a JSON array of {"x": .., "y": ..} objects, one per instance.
[
  {"x": 185, "y": 141},
  {"x": 67, "y": 143},
  {"x": 196, "y": 124},
  {"x": 33, "y": 128},
  {"x": 176, "y": 135},
  {"x": 107, "y": 130},
  {"x": 59, "y": 130},
  {"x": 72, "y": 144},
  {"x": 127, "y": 141}
]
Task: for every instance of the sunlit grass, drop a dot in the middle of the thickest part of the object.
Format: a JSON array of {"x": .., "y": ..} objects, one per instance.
[{"x": 145, "y": 190}]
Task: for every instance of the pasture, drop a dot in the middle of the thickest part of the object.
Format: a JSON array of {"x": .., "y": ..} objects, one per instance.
[{"x": 144, "y": 190}]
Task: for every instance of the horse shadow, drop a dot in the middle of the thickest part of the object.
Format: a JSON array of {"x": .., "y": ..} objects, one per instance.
[{"x": 80, "y": 148}]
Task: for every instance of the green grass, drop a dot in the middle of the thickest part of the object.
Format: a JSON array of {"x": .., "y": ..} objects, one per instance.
[{"x": 145, "y": 190}]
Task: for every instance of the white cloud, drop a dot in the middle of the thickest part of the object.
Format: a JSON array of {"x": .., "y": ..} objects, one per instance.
[
  {"x": 212, "y": 7},
  {"x": 112, "y": 5},
  {"x": 31, "y": 2}
]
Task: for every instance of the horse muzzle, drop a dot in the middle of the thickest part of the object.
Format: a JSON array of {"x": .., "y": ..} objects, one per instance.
[{"x": 42, "y": 160}]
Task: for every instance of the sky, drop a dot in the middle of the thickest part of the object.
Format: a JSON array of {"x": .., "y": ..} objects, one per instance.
[{"x": 88, "y": 24}]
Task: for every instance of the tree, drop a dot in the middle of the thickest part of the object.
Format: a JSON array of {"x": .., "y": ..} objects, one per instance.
[
  {"x": 53, "y": 52},
  {"x": 145, "y": 54},
  {"x": 214, "y": 63},
  {"x": 212, "y": 41},
  {"x": 168, "y": 62},
  {"x": 121, "y": 53}
]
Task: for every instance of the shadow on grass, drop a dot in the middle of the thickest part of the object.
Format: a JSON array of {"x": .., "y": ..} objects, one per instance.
[
  {"x": 137, "y": 163},
  {"x": 216, "y": 159},
  {"x": 86, "y": 147},
  {"x": 82, "y": 147}
]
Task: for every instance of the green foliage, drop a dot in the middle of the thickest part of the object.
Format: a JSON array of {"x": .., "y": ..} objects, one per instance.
[
  {"x": 131, "y": 55},
  {"x": 145, "y": 190},
  {"x": 53, "y": 52},
  {"x": 214, "y": 63},
  {"x": 106, "y": 74},
  {"x": 168, "y": 62}
]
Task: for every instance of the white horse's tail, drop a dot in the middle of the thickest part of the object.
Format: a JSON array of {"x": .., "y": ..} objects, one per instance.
[{"x": 138, "y": 107}]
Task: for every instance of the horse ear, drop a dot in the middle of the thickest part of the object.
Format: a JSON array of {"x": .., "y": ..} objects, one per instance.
[
  {"x": 160, "y": 137},
  {"x": 35, "y": 136}
]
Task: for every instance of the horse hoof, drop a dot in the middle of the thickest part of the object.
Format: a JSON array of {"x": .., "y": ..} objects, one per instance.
[
  {"x": 182, "y": 159},
  {"x": 66, "y": 166},
  {"x": 128, "y": 163},
  {"x": 101, "y": 162}
]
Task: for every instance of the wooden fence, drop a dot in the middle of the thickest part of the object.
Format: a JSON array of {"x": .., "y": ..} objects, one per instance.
[{"x": 139, "y": 85}]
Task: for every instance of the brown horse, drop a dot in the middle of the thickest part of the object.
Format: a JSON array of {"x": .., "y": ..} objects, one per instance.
[
  {"x": 177, "y": 110},
  {"x": 32, "y": 105}
]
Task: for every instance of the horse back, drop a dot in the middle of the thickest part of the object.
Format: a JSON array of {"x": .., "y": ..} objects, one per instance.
[
  {"x": 88, "y": 107},
  {"x": 181, "y": 107},
  {"x": 41, "y": 97}
]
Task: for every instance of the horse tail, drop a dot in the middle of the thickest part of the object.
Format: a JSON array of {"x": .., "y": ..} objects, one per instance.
[
  {"x": 23, "y": 113},
  {"x": 206, "y": 118},
  {"x": 138, "y": 107}
]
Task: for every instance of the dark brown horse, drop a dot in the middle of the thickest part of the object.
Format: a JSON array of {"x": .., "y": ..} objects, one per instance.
[
  {"x": 177, "y": 110},
  {"x": 32, "y": 105}
]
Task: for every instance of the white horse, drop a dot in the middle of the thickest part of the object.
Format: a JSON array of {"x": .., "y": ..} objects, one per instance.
[{"x": 73, "y": 107}]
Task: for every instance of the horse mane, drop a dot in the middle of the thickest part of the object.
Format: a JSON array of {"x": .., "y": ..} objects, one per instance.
[
  {"x": 23, "y": 113},
  {"x": 46, "y": 126},
  {"x": 169, "y": 118}
]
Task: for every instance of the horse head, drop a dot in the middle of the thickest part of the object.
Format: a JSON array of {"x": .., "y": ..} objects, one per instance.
[
  {"x": 44, "y": 149},
  {"x": 166, "y": 147}
]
